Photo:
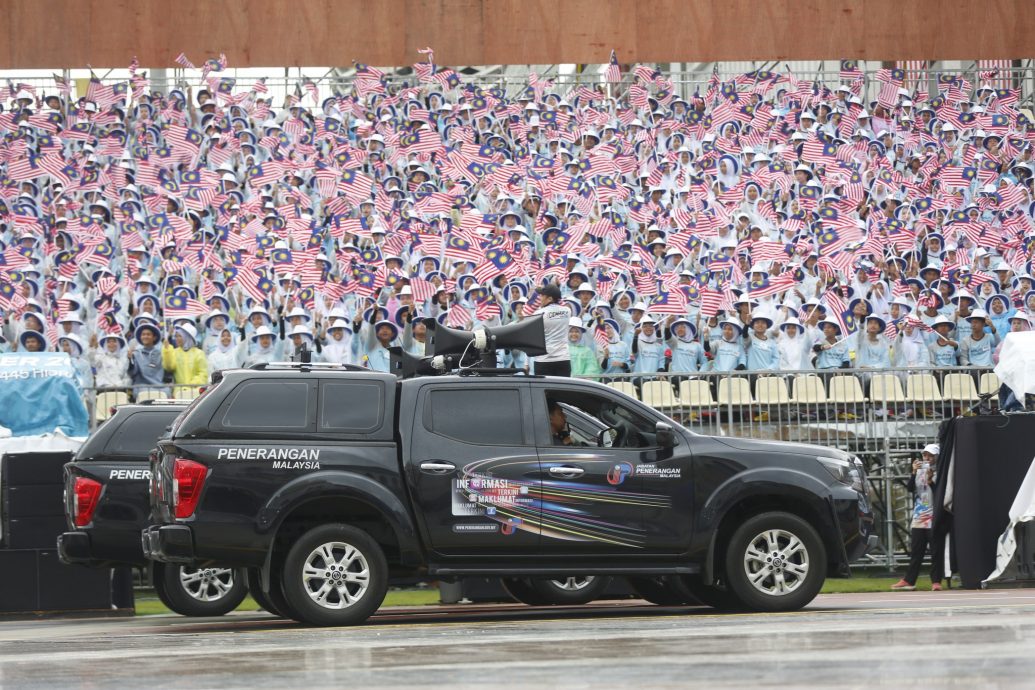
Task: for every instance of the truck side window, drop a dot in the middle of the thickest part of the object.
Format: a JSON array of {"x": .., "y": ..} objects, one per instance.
[
  {"x": 487, "y": 417},
  {"x": 268, "y": 404},
  {"x": 587, "y": 413},
  {"x": 351, "y": 406}
]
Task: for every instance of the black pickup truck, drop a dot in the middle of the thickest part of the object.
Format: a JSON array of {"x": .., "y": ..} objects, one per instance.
[
  {"x": 330, "y": 482},
  {"x": 106, "y": 506}
]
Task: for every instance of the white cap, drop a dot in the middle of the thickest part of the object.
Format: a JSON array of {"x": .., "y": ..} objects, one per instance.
[
  {"x": 576, "y": 322},
  {"x": 933, "y": 449}
]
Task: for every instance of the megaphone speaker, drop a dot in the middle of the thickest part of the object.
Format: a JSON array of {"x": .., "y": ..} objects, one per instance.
[
  {"x": 527, "y": 335},
  {"x": 442, "y": 340}
]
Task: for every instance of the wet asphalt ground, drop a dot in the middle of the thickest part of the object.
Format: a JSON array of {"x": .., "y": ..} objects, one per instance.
[{"x": 965, "y": 639}]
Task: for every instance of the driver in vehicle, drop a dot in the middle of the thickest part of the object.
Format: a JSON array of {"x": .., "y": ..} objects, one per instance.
[{"x": 559, "y": 425}]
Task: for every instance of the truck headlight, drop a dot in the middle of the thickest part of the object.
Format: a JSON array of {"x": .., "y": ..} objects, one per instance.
[{"x": 848, "y": 471}]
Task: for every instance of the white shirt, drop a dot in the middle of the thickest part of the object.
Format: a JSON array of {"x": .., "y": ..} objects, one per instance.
[{"x": 555, "y": 326}]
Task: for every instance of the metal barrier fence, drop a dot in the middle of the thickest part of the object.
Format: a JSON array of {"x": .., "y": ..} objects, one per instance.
[
  {"x": 884, "y": 416},
  {"x": 685, "y": 82},
  {"x": 101, "y": 402}
]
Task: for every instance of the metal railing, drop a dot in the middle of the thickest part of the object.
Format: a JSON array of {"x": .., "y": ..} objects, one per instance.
[{"x": 685, "y": 82}]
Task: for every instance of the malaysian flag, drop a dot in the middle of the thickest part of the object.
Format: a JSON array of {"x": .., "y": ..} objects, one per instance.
[
  {"x": 458, "y": 316},
  {"x": 183, "y": 62},
  {"x": 613, "y": 73}
]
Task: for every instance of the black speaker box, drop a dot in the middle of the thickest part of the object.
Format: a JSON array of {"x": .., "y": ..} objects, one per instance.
[
  {"x": 33, "y": 532},
  {"x": 71, "y": 587},
  {"x": 39, "y": 500},
  {"x": 36, "y": 580},
  {"x": 24, "y": 469},
  {"x": 18, "y": 582}
]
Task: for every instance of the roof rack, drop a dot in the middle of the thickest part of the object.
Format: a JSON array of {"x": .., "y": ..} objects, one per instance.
[
  {"x": 305, "y": 366},
  {"x": 163, "y": 401}
]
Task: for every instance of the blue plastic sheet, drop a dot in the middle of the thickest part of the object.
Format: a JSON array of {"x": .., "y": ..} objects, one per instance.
[{"x": 40, "y": 393}]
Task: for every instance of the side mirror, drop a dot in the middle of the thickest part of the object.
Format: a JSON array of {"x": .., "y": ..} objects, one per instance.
[
  {"x": 665, "y": 435},
  {"x": 606, "y": 438}
]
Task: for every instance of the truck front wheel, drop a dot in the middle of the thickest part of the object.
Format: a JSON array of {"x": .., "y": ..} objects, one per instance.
[
  {"x": 775, "y": 562},
  {"x": 335, "y": 575}
]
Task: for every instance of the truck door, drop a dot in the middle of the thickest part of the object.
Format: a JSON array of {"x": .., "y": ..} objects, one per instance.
[
  {"x": 473, "y": 467},
  {"x": 608, "y": 487}
]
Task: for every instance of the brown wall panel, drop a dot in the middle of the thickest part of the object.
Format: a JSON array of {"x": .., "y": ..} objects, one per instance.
[{"x": 271, "y": 33}]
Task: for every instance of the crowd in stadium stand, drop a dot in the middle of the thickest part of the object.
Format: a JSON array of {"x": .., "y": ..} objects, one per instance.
[{"x": 764, "y": 223}]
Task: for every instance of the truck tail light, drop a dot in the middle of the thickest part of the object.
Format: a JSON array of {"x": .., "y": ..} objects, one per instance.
[
  {"x": 86, "y": 493},
  {"x": 188, "y": 478}
]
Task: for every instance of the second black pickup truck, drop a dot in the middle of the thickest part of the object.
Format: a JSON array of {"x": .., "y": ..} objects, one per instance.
[
  {"x": 106, "y": 505},
  {"x": 331, "y": 482}
]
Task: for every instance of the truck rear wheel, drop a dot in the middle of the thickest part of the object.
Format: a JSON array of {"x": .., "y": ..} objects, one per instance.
[
  {"x": 573, "y": 590},
  {"x": 260, "y": 597},
  {"x": 335, "y": 575},
  {"x": 200, "y": 591},
  {"x": 775, "y": 562}
]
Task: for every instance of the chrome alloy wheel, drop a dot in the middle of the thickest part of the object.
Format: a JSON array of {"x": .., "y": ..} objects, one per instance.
[
  {"x": 336, "y": 575},
  {"x": 207, "y": 584},
  {"x": 776, "y": 562},
  {"x": 574, "y": 583}
]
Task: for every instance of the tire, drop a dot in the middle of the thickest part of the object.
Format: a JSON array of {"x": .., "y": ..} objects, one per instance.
[
  {"x": 574, "y": 590},
  {"x": 158, "y": 582},
  {"x": 335, "y": 575},
  {"x": 660, "y": 590},
  {"x": 718, "y": 596},
  {"x": 260, "y": 597},
  {"x": 775, "y": 562},
  {"x": 201, "y": 591},
  {"x": 520, "y": 588},
  {"x": 276, "y": 594}
]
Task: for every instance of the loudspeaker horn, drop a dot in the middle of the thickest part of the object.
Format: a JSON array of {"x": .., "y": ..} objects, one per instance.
[
  {"x": 442, "y": 340},
  {"x": 528, "y": 335}
]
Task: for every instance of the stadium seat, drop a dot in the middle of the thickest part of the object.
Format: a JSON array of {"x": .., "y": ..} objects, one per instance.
[
  {"x": 734, "y": 391},
  {"x": 808, "y": 389},
  {"x": 771, "y": 390},
  {"x": 696, "y": 393},
  {"x": 886, "y": 388},
  {"x": 624, "y": 387},
  {"x": 846, "y": 390},
  {"x": 923, "y": 388},
  {"x": 150, "y": 394},
  {"x": 959, "y": 388},
  {"x": 989, "y": 383},
  {"x": 659, "y": 395},
  {"x": 185, "y": 392},
  {"x": 106, "y": 400}
]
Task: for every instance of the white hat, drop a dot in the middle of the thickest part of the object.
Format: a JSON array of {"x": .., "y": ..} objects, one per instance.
[
  {"x": 189, "y": 331},
  {"x": 576, "y": 322},
  {"x": 302, "y": 331},
  {"x": 261, "y": 331},
  {"x": 933, "y": 449}
]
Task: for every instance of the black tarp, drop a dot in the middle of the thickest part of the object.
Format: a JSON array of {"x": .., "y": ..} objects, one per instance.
[{"x": 992, "y": 456}]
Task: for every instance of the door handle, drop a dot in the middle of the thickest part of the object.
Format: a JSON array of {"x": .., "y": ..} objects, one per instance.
[
  {"x": 567, "y": 472},
  {"x": 437, "y": 467}
]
